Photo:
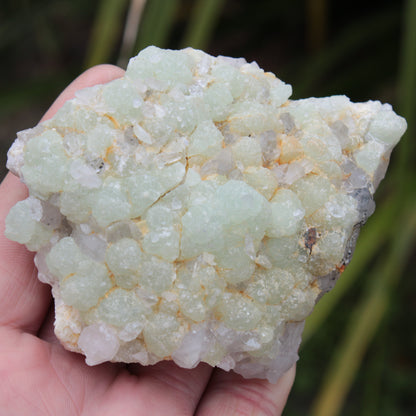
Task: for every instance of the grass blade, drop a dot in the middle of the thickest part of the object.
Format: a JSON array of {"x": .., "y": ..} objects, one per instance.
[
  {"x": 105, "y": 32},
  {"x": 158, "y": 19},
  {"x": 134, "y": 16},
  {"x": 202, "y": 22}
]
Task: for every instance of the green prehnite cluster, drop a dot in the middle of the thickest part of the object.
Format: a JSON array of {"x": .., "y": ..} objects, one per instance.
[{"x": 191, "y": 211}]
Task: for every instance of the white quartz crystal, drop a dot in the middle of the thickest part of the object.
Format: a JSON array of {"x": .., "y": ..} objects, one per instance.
[{"x": 191, "y": 211}]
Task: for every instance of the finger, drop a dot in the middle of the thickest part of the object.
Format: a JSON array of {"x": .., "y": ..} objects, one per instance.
[
  {"x": 24, "y": 300},
  {"x": 231, "y": 394},
  {"x": 169, "y": 389}
]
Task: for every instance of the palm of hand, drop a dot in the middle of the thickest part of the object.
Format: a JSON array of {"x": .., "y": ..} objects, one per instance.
[{"x": 39, "y": 377}]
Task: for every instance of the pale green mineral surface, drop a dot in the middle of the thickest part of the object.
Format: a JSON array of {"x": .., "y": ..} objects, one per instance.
[{"x": 190, "y": 211}]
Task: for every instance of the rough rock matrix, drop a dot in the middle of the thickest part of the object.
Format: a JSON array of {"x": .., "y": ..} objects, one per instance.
[{"x": 191, "y": 211}]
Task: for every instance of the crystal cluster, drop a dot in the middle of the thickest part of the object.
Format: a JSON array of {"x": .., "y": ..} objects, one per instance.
[{"x": 191, "y": 211}]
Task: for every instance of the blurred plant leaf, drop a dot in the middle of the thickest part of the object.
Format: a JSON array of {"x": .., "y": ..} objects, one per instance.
[
  {"x": 134, "y": 17},
  {"x": 105, "y": 31},
  {"x": 158, "y": 19},
  {"x": 204, "y": 17},
  {"x": 374, "y": 374}
]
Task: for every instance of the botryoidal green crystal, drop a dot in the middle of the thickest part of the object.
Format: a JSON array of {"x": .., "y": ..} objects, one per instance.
[{"x": 191, "y": 211}]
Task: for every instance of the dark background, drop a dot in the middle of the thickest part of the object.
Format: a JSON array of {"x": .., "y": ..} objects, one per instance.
[{"x": 358, "y": 355}]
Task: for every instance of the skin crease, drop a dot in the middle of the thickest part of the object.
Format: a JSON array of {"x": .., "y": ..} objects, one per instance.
[{"x": 39, "y": 377}]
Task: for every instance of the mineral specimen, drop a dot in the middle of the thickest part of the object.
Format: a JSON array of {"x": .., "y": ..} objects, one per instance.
[{"x": 190, "y": 211}]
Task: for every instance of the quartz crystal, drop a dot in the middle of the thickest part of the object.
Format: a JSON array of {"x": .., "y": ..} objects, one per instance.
[{"x": 190, "y": 211}]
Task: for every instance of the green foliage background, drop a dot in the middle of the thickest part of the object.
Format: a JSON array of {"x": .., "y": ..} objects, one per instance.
[{"x": 358, "y": 354}]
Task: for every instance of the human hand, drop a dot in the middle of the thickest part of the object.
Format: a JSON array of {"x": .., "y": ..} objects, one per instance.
[{"x": 39, "y": 377}]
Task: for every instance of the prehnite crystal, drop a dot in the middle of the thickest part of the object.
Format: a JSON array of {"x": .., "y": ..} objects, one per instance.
[{"x": 191, "y": 211}]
